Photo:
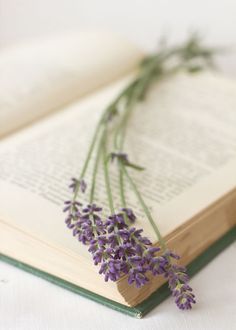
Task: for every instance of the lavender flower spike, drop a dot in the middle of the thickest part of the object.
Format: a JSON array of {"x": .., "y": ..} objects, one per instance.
[{"x": 178, "y": 279}]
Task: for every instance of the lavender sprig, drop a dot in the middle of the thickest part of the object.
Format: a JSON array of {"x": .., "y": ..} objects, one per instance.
[
  {"x": 115, "y": 244},
  {"x": 178, "y": 282},
  {"x": 122, "y": 250}
]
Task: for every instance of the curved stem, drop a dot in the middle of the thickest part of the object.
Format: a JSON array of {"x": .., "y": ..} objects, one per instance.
[
  {"x": 90, "y": 150},
  {"x": 106, "y": 173},
  {"x": 95, "y": 170},
  {"x": 122, "y": 188},
  {"x": 88, "y": 157},
  {"x": 144, "y": 206}
]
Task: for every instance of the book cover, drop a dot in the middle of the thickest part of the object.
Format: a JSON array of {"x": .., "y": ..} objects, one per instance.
[{"x": 153, "y": 300}]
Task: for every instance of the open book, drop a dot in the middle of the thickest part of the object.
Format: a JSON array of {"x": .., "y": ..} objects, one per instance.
[{"x": 51, "y": 95}]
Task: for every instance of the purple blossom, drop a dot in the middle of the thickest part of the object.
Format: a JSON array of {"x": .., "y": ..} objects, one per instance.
[
  {"x": 78, "y": 184},
  {"x": 112, "y": 269},
  {"x": 115, "y": 221},
  {"x": 85, "y": 222},
  {"x": 158, "y": 265},
  {"x": 72, "y": 208},
  {"x": 138, "y": 276},
  {"x": 92, "y": 213},
  {"x": 178, "y": 279},
  {"x": 72, "y": 205},
  {"x": 122, "y": 250},
  {"x": 128, "y": 246},
  {"x": 129, "y": 214}
]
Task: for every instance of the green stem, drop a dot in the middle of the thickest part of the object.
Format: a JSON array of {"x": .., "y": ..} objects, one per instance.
[
  {"x": 90, "y": 150},
  {"x": 144, "y": 206},
  {"x": 106, "y": 173},
  {"x": 119, "y": 134},
  {"x": 139, "y": 84},
  {"x": 118, "y": 144},
  {"x": 120, "y": 147},
  {"x": 134, "y": 96},
  {"x": 122, "y": 188},
  {"x": 95, "y": 169},
  {"x": 152, "y": 68},
  {"x": 101, "y": 122},
  {"x": 88, "y": 157}
]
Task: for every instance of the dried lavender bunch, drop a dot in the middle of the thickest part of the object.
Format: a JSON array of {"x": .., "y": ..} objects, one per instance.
[{"x": 115, "y": 244}]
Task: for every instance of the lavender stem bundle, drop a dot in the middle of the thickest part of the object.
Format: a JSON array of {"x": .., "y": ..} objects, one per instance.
[{"x": 115, "y": 244}]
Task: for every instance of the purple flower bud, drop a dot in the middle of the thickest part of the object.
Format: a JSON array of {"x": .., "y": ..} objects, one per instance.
[
  {"x": 113, "y": 240},
  {"x": 98, "y": 256},
  {"x": 130, "y": 214},
  {"x": 102, "y": 240},
  {"x": 138, "y": 277},
  {"x": 172, "y": 255},
  {"x": 124, "y": 234},
  {"x": 83, "y": 185},
  {"x": 78, "y": 184},
  {"x": 178, "y": 279},
  {"x": 119, "y": 155}
]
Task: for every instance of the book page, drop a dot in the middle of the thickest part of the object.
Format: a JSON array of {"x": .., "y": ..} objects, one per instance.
[
  {"x": 44, "y": 75},
  {"x": 184, "y": 137}
]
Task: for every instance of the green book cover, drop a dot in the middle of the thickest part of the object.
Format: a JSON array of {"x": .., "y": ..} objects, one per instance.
[{"x": 152, "y": 301}]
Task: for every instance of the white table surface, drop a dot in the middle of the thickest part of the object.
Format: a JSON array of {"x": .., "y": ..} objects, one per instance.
[{"x": 30, "y": 303}]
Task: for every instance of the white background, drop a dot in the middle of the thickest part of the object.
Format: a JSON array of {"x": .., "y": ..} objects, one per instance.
[{"x": 27, "y": 302}]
